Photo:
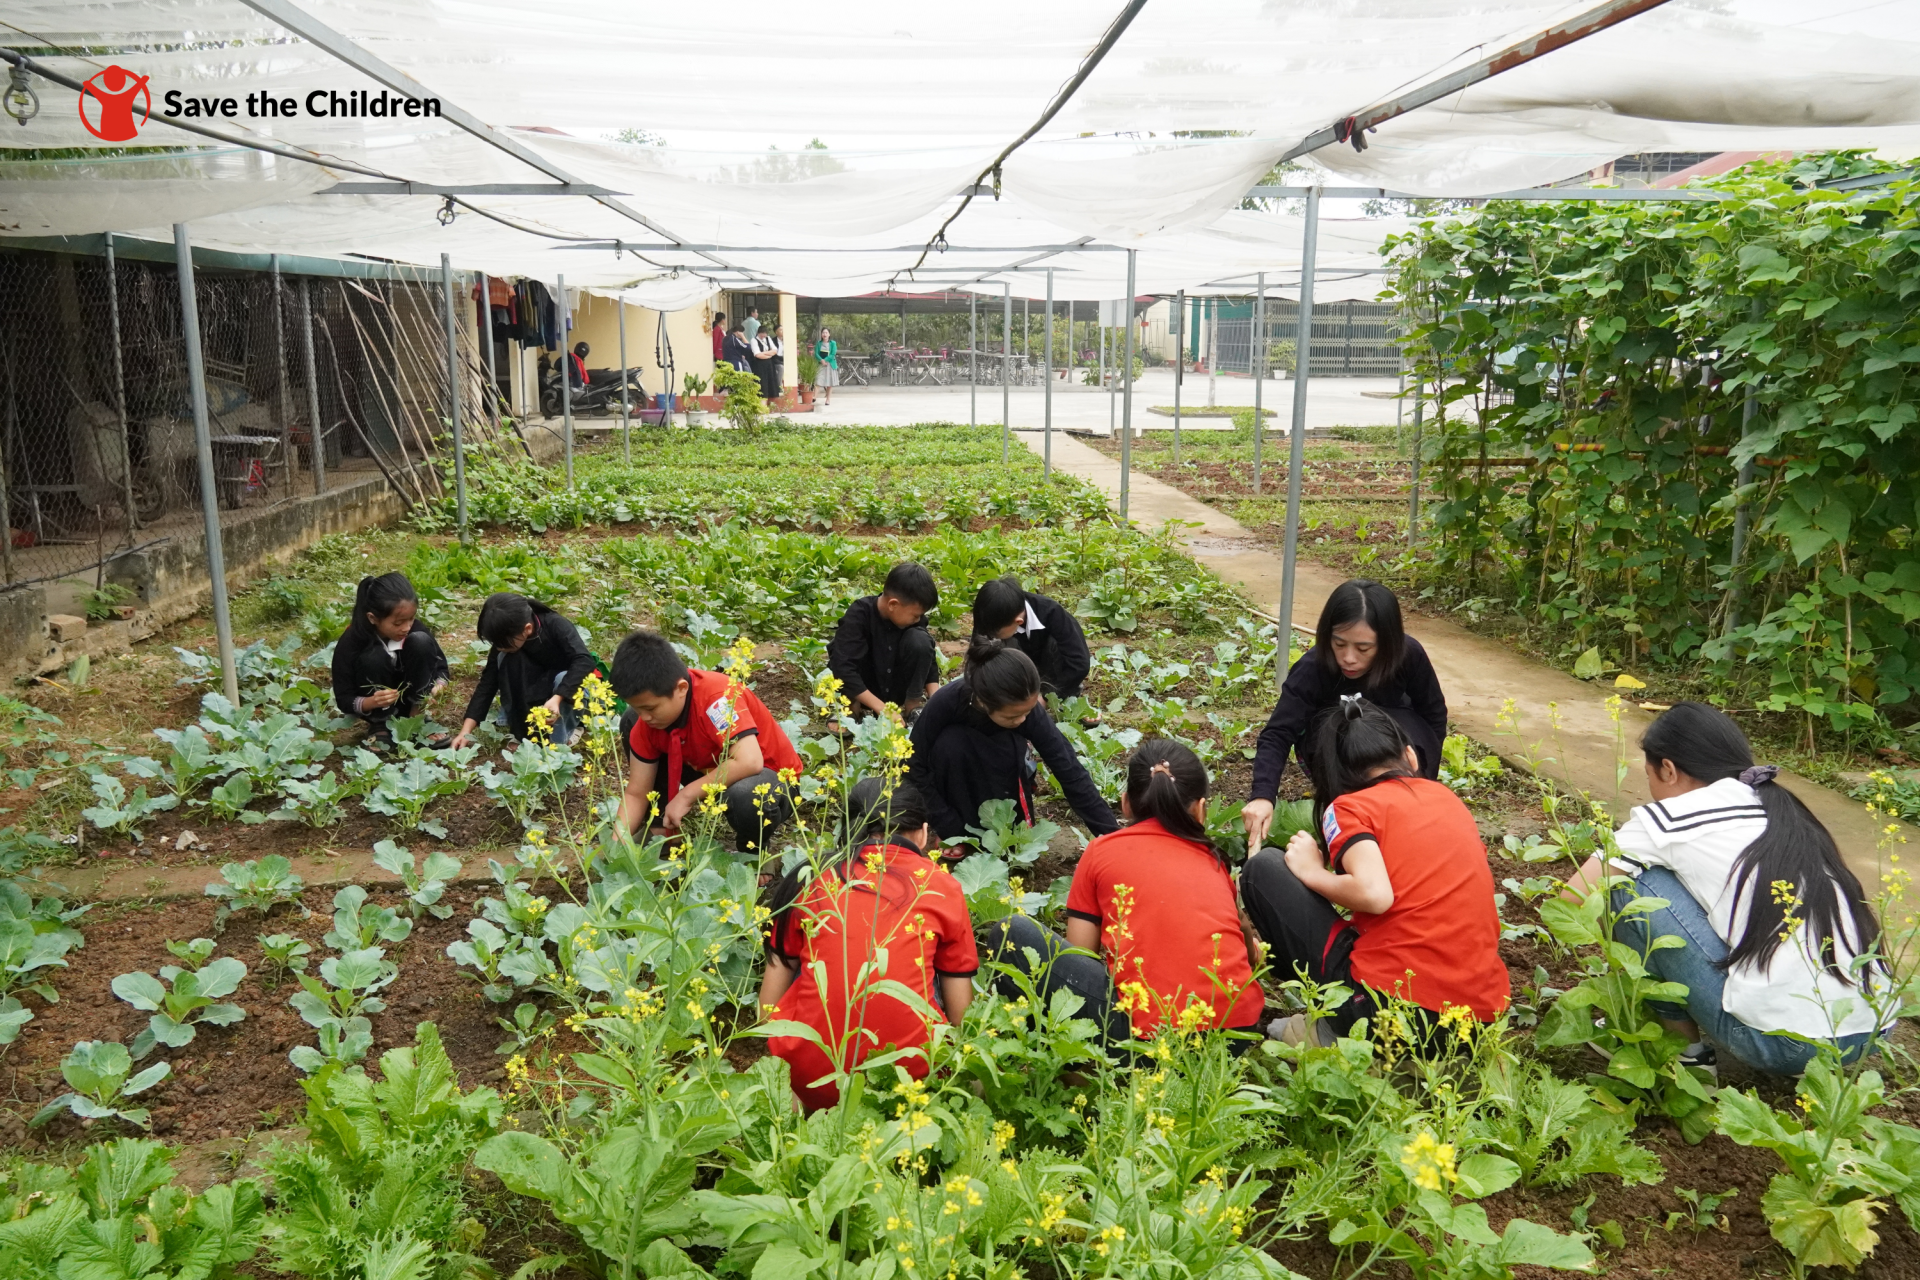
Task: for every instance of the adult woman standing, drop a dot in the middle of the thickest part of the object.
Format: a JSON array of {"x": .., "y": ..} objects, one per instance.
[
  {"x": 1360, "y": 646},
  {"x": 766, "y": 363},
  {"x": 827, "y": 377}
]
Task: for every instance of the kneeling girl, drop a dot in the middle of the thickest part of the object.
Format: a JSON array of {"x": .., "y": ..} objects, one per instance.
[
  {"x": 883, "y": 910},
  {"x": 387, "y": 663},
  {"x": 1154, "y": 900},
  {"x": 1404, "y": 857},
  {"x": 1772, "y": 919}
]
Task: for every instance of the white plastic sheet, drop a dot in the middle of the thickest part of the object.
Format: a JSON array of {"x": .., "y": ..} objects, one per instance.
[{"x": 1188, "y": 111}]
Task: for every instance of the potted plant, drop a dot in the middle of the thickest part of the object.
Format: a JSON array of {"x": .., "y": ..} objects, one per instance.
[{"x": 695, "y": 386}]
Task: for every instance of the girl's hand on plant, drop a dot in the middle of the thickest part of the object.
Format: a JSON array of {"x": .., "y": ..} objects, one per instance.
[
  {"x": 380, "y": 698},
  {"x": 1303, "y": 858},
  {"x": 1258, "y": 816},
  {"x": 553, "y": 709},
  {"x": 465, "y": 735}
]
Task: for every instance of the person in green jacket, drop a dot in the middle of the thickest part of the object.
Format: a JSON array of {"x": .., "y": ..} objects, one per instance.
[{"x": 827, "y": 377}]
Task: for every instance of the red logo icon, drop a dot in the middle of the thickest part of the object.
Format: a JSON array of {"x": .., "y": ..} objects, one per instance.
[{"x": 114, "y": 89}]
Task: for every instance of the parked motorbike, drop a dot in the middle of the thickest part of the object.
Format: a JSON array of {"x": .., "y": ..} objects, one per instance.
[{"x": 600, "y": 396}]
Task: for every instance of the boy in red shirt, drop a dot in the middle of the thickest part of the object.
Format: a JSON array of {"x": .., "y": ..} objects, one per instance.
[
  {"x": 691, "y": 730},
  {"x": 1405, "y": 859},
  {"x": 883, "y": 912}
]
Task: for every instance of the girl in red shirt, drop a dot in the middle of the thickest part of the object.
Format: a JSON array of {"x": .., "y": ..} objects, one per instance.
[
  {"x": 1404, "y": 858},
  {"x": 882, "y": 911},
  {"x": 1155, "y": 901}
]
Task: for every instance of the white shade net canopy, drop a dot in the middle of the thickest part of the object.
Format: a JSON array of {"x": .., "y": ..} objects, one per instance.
[{"x": 1155, "y": 151}]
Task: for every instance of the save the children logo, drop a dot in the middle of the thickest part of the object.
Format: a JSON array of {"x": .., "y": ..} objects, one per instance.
[{"x": 113, "y": 90}]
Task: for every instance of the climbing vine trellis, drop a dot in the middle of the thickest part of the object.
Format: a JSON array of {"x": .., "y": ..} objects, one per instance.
[{"x": 1620, "y": 379}]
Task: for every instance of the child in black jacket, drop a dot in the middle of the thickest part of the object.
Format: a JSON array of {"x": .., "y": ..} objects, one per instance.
[
  {"x": 1039, "y": 627},
  {"x": 387, "y": 663},
  {"x": 538, "y": 660},
  {"x": 970, "y": 745},
  {"x": 882, "y": 651}
]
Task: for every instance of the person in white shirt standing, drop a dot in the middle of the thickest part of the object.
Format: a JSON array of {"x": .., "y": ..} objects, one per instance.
[{"x": 1772, "y": 919}]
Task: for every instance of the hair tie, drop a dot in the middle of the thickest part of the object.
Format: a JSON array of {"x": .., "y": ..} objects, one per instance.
[
  {"x": 1162, "y": 767},
  {"x": 1350, "y": 704},
  {"x": 1754, "y": 775}
]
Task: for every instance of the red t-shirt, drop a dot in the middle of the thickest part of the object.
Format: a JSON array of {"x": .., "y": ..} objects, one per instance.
[
  {"x": 718, "y": 710},
  {"x": 912, "y": 912},
  {"x": 1439, "y": 943},
  {"x": 1169, "y": 922}
]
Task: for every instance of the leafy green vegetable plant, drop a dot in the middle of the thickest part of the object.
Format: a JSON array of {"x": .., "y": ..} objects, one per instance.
[
  {"x": 404, "y": 789},
  {"x": 118, "y": 811},
  {"x": 425, "y": 884},
  {"x": 318, "y": 802},
  {"x": 1002, "y": 834},
  {"x": 357, "y": 926},
  {"x": 336, "y": 1003},
  {"x": 537, "y": 775},
  {"x": 505, "y": 962},
  {"x": 35, "y": 938},
  {"x": 181, "y": 999},
  {"x": 254, "y": 886},
  {"x": 282, "y": 953},
  {"x": 121, "y": 1216},
  {"x": 97, "y": 1075}
]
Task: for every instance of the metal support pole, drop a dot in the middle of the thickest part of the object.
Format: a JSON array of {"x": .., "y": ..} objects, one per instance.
[
  {"x": 1006, "y": 369},
  {"x": 316, "y": 435},
  {"x": 1112, "y": 376},
  {"x": 1070, "y": 343},
  {"x": 1297, "y": 445},
  {"x": 1213, "y": 352},
  {"x": 453, "y": 399},
  {"x": 284, "y": 398},
  {"x": 626, "y": 419},
  {"x": 973, "y": 360},
  {"x": 491, "y": 398},
  {"x": 9, "y": 432},
  {"x": 1179, "y": 365},
  {"x": 120, "y": 395},
  {"x": 203, "y": 446},
  {"x": 1126, "y": 399},
  {"x": 566, "y": 381},
  {"x": 1256, "y": 365},
  {"x": 1413, "y": 501},
  {"x": 1046, "y": 458}
]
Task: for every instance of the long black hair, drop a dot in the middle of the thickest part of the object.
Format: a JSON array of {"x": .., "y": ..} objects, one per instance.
[
  {"x": 998, "y": 602},
  {"x": 878, "y": 812},
  {"x": 1356, "y": 744},
  {"x": 1363, "y": 600},
  {"x": 1704, "y": 743},
  {"x": 380, "y": 596},
  {"x": 1164, "y": 778},
  {"x": 505, "y": 615},
  {"x": 998, "y": 674}
]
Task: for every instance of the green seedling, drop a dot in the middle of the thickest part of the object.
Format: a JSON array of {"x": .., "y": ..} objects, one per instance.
[
  {"x": 426, "y": 884},
  {"x": 403, "y": 790},
  {"x": 96, "y": 1072},
  {"x": 357, "y": 926},
  {"x": 255, "y": 886},
  {"x": 282, "y": 953},
  {"x": 35, "y": 938},
  {"x": 120, "y": 812},
  {"x": 506, "y": 962},
  {"x": 180, "y": 999},
  {"x": 1002, "y": 834}
]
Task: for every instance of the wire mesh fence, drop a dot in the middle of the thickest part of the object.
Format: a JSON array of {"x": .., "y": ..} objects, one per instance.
[
  {"x": 312, "y": 382},
  {"x": 1350, "y": 339}
]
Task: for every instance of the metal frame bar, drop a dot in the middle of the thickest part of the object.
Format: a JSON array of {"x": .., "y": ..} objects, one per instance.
[
  {"x": 1006, "y": 369},
  {"x": 316, "y": 432},
  {"x": 203, "y": 449},
  {"x": 120, "y": 395},
  {"x": 566, "y": 377},
  {"x": 1256, "y": 334},
  {"x": 1179, "y": 366},
  {"x": 1355, "y": 126},
  {"x": 283, "y": 402},
  {"x": 1046, "y": 458},
  {"x": 317, "y": 33},
  {"x": 1681, "y": 195},
  {"x": 1126, "y": 398},
  {"x": 453, "y": 399},
  {"x": 1297, "y": 442}
]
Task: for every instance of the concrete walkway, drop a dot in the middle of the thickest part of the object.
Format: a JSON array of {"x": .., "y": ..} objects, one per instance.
[{"x": 1479, "y": 675}]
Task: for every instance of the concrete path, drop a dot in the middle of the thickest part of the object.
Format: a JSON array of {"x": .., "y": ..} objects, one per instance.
[
  {"x": 1479, "y": 675},
  {"x": 1332, "y": 402}
]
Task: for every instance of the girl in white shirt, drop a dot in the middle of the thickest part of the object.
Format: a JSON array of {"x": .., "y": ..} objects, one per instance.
[{"x": 1771, "y": 917}]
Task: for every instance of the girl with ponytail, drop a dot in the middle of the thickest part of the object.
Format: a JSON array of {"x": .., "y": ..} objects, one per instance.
[
  {"x": 1772, "y": 919},
  {"x": 831, "y": 926},
  {"x": 1403, "y": 856},
  {"x": 971, "y": 741},
  {"x": 1155, "y": 902},
  {"x": 387, "y": 662}
]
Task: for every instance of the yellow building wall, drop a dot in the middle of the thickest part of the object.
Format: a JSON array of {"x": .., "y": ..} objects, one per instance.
[{"x": 596, "y": 321}]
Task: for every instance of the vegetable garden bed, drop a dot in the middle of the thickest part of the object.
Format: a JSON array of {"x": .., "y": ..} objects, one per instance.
[{"x": 589, "y": 1098}]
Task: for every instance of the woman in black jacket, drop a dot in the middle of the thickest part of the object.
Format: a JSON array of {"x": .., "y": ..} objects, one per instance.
[
  {"x": 387, "y": 663},
  {"x": 538, "y": 659},
  {"x": 1359, "y": 648},
  {"x": 970, "y": 744}
]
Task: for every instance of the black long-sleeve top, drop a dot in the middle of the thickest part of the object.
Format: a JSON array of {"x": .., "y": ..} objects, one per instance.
[
  {"x": 1413, "y": 697},
  {"x": 1058, "y": 648},
  {"x": 362, "y": 664},
  {"x": 865, "y": 652},
  {"x": 962, "y": 759},
  {"x": 525, "y": 677}
]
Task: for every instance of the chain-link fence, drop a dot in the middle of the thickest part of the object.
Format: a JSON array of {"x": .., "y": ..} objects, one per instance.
[{"x": 97, "y": 448}]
